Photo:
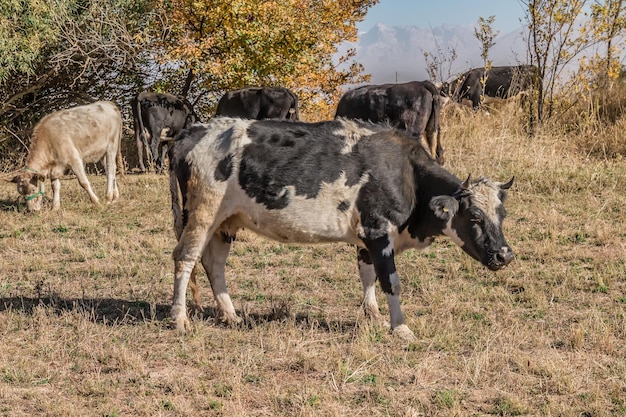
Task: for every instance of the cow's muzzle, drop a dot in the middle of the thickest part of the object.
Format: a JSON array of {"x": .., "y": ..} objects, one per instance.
[{"x": 500, "y": 258}]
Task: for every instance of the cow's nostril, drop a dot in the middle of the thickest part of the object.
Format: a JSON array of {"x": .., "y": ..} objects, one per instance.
[{"x": 504, "y": 256}]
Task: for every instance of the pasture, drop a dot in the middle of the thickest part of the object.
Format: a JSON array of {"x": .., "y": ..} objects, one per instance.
[{"x": 85, "y": 295}]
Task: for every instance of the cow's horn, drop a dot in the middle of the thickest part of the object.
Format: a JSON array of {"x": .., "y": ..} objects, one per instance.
[
  {"x": 466, "y": 183},
  {"x": 507, "y": 185}
]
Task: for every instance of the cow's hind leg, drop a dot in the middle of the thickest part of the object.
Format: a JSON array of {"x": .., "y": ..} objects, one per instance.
[
  {"x": 110, "y": 167},
  {"x": 185, "y": 255},
  {"x": 382, "y": 257},
  {"x": 142, "y": 167},
  {"x": 202, "y": 206},
  {"x": 195, "y": 289},
  {"x": 79, "y": 169},
  {"x": 214, "y": 263}
]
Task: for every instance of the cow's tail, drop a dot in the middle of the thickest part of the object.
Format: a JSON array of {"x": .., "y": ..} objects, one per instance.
[
  {"x": 179, "y": 177},
  {"x": 295, "y": 115},
  {"x": 121, "y": 169},
  {"x": 139, "y": 128},
  {"x": 177, "y": 200},
  {"x": 433, "y": 127}
]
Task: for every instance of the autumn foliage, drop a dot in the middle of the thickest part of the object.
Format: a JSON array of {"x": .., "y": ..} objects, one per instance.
[{"x": 230, "y": 44}]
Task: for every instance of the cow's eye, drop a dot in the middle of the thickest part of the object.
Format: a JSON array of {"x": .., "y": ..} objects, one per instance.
[{"x": 476, "y": 218}]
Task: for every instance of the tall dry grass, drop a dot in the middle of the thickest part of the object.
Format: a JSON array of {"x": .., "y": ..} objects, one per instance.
[{"x": 85, "y": 293}]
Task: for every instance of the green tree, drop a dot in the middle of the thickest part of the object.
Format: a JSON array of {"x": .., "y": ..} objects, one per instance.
[{"x": 59, "y": 53}]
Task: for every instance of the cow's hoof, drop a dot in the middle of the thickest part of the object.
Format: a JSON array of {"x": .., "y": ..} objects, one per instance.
[
  {"x": 372, "y": 313},
  {"x": 180, "y": 320},
  {"x": 182, "y": 324},
  {"x": 230, "y": 319},
  {"x": 403, "y": 332}
]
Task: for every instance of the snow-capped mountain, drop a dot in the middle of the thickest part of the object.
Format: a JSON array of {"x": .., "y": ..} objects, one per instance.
[{"x": 396, "y": 53}]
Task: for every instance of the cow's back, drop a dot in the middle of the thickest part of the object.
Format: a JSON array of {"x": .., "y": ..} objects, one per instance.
[
  {"x": 84, "y": 130},
  {"x": 244, "y": 103},
  {"x": 366, "y": 103},
  {"x": 259, "y": 103},
  {"x": 280, "y": 172},
  {"x": 390, "y": 103},
  {"x": 501, "y": 82}
]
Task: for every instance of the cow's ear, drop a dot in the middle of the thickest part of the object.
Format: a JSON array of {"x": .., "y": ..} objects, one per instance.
[
  {"x": 34, "y": 179},
  {"x": 444, "y": 206},
  {"x": 15, "y": 179}
]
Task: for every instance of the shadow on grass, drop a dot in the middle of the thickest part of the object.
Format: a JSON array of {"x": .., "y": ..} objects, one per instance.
[
  {"x": 108, "y": 311},
  {"x": 115, "y": 312},
  {"x": 11, "y": 205}
]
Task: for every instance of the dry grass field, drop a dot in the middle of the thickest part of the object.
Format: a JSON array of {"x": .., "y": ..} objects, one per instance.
[{"x": 85, "y": 294}]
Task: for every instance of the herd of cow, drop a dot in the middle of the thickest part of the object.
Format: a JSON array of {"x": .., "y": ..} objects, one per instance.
[{"x": 366, "y": 178}]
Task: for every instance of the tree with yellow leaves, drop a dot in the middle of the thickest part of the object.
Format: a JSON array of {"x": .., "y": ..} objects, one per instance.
[
  {"x": 552, "y": 43},
  {"x": 606, "y": 25},
  {"x": 228, "y": 44}
]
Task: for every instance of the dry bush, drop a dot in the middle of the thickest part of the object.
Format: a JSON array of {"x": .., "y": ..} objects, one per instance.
[
  {"x": 594, "y": 121},
  {"x": 85, "y": 294}
]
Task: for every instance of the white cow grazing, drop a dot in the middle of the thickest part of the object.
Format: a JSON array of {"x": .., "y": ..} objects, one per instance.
[{"x": 69, "y": 139}]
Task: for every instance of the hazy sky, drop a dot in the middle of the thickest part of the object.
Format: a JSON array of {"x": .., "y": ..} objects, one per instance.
[{"x": 433, "y": 13}]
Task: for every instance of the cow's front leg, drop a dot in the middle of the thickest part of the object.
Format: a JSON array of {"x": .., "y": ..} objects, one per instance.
[
  {"x": 110, "y": 169},
  {"x": 81, "y": 174},
  {"x": 382, "y": 256},
  {"x": 368, "y": 279},
  {"x": 56, "y": 193},
  {"x": 214, "y": 263}
]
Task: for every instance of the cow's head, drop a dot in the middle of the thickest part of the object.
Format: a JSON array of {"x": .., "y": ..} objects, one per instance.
[
  {"x": 473, "y": 217},
  {"x": 30, "y": 185}
]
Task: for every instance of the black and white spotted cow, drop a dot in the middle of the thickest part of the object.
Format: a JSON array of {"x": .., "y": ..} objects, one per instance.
[
  {"x": 342, "y": 180},
  {"x": 158, "y": 117}
]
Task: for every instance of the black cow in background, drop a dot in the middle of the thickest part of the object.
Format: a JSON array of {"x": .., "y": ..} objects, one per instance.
[
  {"x": 157, "y": 117},
  {"x": 502, "y": 82},
  {"x": 259, "y": 103},
  {"x": 413, "y": 106}
]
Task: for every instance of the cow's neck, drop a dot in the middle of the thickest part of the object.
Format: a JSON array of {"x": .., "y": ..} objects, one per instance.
[
  {"x": 431, "y": 182},
  {"x": 38, "y": 160}
]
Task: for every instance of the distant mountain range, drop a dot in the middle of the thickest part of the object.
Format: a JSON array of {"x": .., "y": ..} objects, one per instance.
[{"x": 396, "y": 53}]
